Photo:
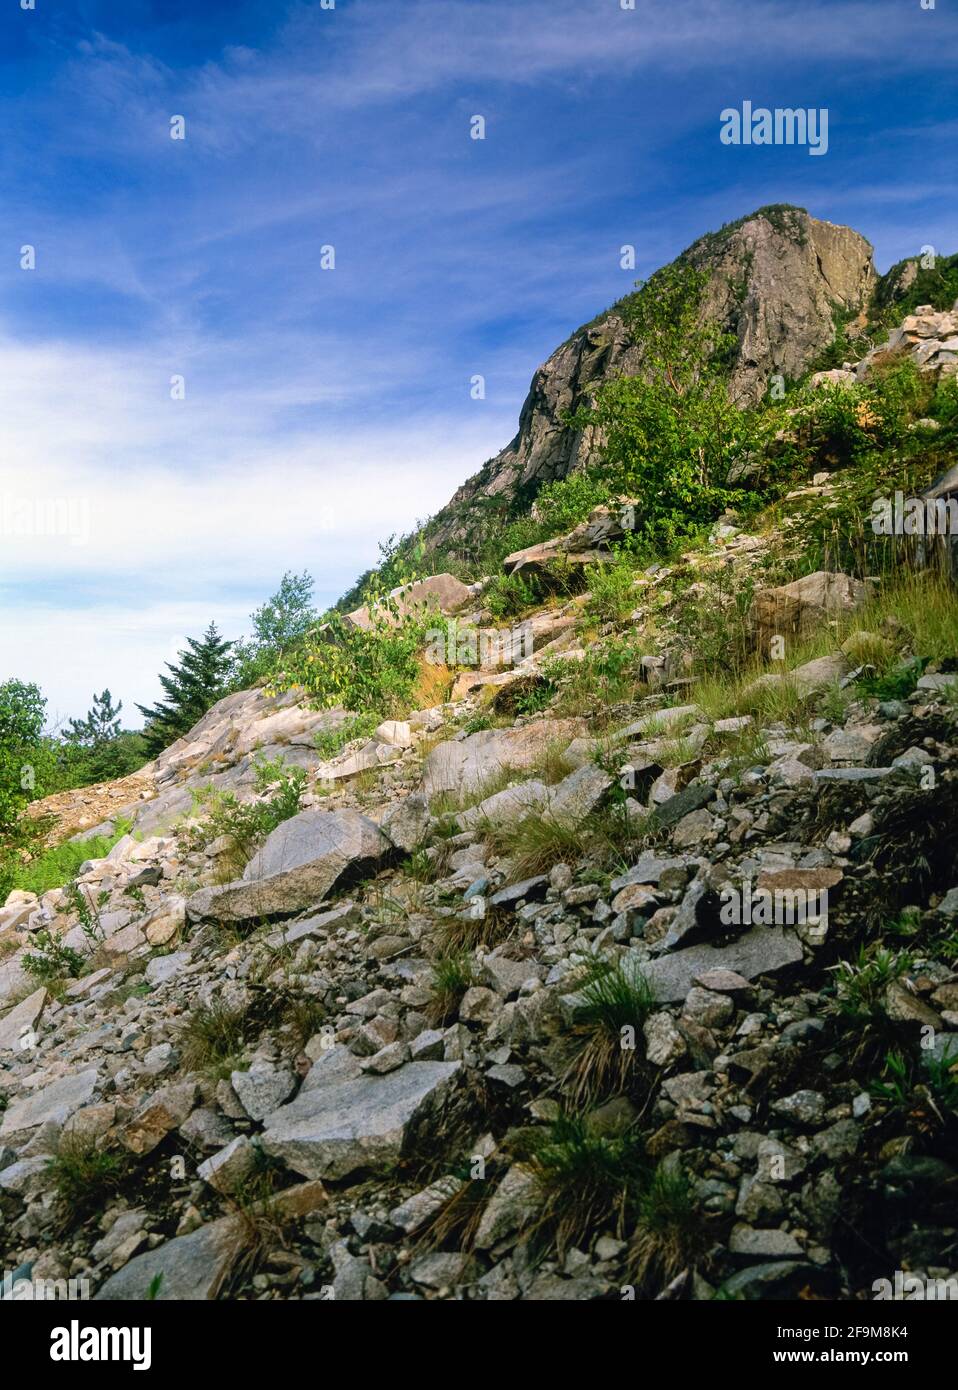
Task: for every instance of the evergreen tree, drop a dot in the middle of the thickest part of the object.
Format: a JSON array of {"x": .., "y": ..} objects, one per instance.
[
  {"x": 199, "y": 679},
  {"x": 96, "y": 749},
  {"x": 102, "y": 723}
]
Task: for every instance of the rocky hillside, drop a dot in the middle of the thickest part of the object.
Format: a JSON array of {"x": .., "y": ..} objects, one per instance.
[
  {"x": 622, "y": 968},
  {"x": 779, "y": 280}
]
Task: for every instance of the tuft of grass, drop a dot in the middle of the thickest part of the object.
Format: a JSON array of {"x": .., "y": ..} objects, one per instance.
[
  {"x": 669, "y": 1234},
  {"x": 452, "y": 975},
  {"x": 536, "y": 842},
  {"x": 606, "y": 1032},
  {"x": 860, "y": 985},
  {"x": 85, "y": 1173},
  {"x": 214, "y": 1037},
  {"x": 584, "y": 1182}
]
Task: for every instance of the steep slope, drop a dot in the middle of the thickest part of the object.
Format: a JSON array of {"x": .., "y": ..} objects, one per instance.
[{"x": 777, "y": 280}]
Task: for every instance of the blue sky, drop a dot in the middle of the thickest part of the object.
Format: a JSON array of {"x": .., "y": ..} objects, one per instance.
[{"x": 324, "y": 410}]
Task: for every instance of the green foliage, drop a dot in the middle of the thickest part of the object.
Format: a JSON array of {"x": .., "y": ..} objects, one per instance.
[
  {"x": 53, "y": 960},
  {"x": 608, "y": 675},
  {"x": 936, "y": 285},
  {"x": 52, "y": 868},
  {"x": 27, "y": 763},
  {"x": 611, "y": 586},
  {"x": 452, "y": 975},
  {"x": 860, "y": 984},
  {"x": 24, "y": 757},
  {"x": 563, "y": 504},
  {"x": 279, "y": 625},
  {"x": 608, "y": 1025},
  {"x": 329, "y": 742},
  {"x": 247, "y": 823},
  {"x": 199, "y": 679},
  {"x": 672, "y": 435},
  {"x": 85, "y": 1174},
  {"x": 96, "y": 749},
  {"x": 370, "y": 670},
  {"x": 585, "y": 1181},
  {"x": 214, "y": 1036},
  {"x": 669, "y": 1233},
  {"x": 928, "y": 1095}
]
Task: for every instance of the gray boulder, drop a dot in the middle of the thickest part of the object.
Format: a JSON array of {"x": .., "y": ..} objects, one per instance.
[
  {"x": 299, "y": 864},
  {"x": 343, "y": 1121}
]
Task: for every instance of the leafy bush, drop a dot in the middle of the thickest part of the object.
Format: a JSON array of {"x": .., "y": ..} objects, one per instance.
[
  {"x": 611, "y": 586},
  {"x": 53, "y": 961},
  {"x": 279, "y": 625},
  {"x": 673, "y": 437},
  {"x": 370, "y": 670},
  {"x": 55, "y": 867},
  {"x": 247, "y": 823}
]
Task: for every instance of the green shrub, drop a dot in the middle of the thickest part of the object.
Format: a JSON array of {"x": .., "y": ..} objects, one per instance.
[
  {"x": 52, "y": 868},
  {"x": 247, "y": 823},
  {"x": 370, "y": 670},
  {"x": 611, "y": 586}
]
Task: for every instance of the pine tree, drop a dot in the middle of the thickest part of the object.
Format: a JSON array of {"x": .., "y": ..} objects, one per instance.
[
  {"x": 102, "y": 723},
  {"x": 199, "y": 679},
  {"x": 93, "y": 744}
]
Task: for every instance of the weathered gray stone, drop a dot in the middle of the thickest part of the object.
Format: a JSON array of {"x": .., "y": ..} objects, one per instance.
[
  {"x": 262, "y": 1088},
  {"x": 342, "y": 1121},
  {"x": 762, "y": 951},
  {"x": 55, "y": 1102},
  {"x": 188, "y": 1268},
  {"x": 17, "y": 1026},
  {"x": 298, "y": 865},
  {"x": 468, "y": 764}
]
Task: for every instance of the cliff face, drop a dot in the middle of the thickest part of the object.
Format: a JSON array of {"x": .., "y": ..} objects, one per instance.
[{"x": 776, "y": 280}]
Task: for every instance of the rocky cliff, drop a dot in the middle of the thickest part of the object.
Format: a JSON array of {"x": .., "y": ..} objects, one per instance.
[{"x": 778, "y": 280}]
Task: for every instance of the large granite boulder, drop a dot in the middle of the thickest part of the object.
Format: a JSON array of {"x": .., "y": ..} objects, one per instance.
[
  {"x": 343, "y": 1121},
  {"x": 298, "y": 865}
]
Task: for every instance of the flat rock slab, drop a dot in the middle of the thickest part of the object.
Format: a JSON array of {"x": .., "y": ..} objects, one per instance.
[
  {"x": 13, "y": 978},
  {"x": 649, "y": 869},
  {"x": 466, "y": 765},
  {"x": 188, "y": 1268},
  {"x": 761, "y": 951},
  {"x": 21, "y": 1020},
  {"x": 343, "y": 1121},
  {"x": 691, "y": 798},
  {"x": 54, "y": 1102},
  {"x": 300, "y": 862}
]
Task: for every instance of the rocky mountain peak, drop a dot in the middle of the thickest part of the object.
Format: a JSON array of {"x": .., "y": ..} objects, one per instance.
[{"x": 777, "y": 280}]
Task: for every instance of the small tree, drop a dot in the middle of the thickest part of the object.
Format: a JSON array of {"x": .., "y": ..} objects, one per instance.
[
  {"x": 96, "y": 749},
  {"x": 672, "y": 436},
  {"x": 278, "y": 626},
  {"x": 23, "y": 753},
  {"x": 194, "y": 684}
]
